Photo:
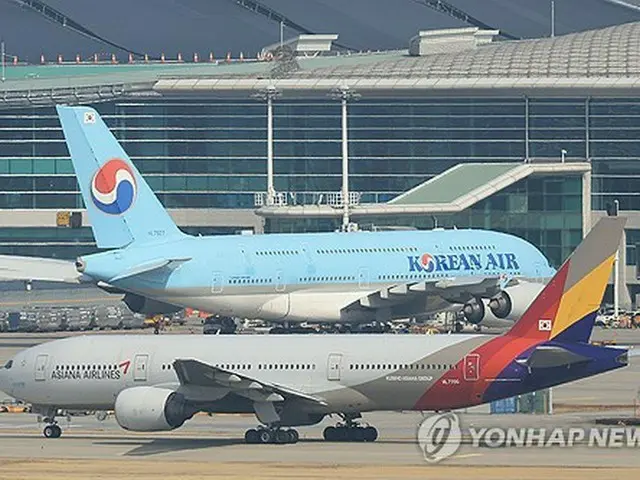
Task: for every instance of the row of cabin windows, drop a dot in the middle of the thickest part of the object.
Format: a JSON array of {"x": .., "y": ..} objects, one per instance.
[
  {"x": 368, "y": 250},
  {"x": 466, "y": 248},
  {"x": 374, "y": 250},
  {"x": 277, "y": 252},
  {"x": 413, "y": 366},
  {"x": 412, "y": 276},
  {"x": 286, "y": 366},
  {"x": 85, "y": 367},
  {"x": 328, "y": 279},
  {"x": 254, "y": 281},
  {"x": 247, "y": 366}
]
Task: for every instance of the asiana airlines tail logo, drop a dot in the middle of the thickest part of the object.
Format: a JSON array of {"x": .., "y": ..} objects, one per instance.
[{"x": 461, "y": 262}]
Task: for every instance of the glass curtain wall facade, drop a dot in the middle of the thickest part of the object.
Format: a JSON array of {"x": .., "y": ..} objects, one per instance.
[
  {"x": 202, "y": 153},
  {"x": 547, "y": 211}
]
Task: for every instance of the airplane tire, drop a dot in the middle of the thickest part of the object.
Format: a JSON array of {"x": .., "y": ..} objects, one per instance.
[
  {"x": 282, "y": 437},
  {"x": 52, "y": 431},
  {"x": 356, "y": 434},
  {"x": 370, "y": 434},
  {"x": 265, "y": 436},
  {"x": 329, "y": 434},
  {"x": 251, "y": 436},
  {"x": 293, "y": 436}
]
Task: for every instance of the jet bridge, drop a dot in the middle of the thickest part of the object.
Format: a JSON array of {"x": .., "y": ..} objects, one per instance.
[{"x": 452, "y": 191}]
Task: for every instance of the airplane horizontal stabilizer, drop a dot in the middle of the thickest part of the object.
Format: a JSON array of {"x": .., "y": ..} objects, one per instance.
[
  {"x": 149, "y": 267},
  {"x": 548, "y": 356},
  {"x": 39, "y": 269},
  {"x": 194, "y": 372}
]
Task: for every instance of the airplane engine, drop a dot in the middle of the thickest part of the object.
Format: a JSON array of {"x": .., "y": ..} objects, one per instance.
[
  {"x": 151, "y": 409},
  {"x": 512, "y": 302},
  {"x": 140, "y": 304},
  {"x": 477, "y": 312},
  {"x": 474, "y": 310}
]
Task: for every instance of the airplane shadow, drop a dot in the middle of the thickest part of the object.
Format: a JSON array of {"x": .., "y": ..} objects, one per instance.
[{"x": 146, "y": 447}]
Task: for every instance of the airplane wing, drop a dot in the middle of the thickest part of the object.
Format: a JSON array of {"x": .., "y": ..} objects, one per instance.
[
  {"x": 194, "y": 372},
  {"x": 150, "y": 267},
  {"x": 417, "y": 297},
  {"x": 547, "y": 356},
  {"x": 43, "y": 269}
]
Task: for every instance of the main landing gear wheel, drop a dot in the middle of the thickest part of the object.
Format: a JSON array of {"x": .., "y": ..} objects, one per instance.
[
  {"x": 271, "y": 435},
  {"x": 350, "y": 433},
  {"x": 52, "y": 431}
]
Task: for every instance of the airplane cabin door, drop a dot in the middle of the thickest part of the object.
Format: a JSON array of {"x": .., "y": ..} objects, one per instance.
[
  {"x": 140, "y": 367},
  {"x": 40, "y": 368},
  {"x": 363, "y": 278},
  {"x": 334, "y": 365},
  {"x": 216, "y": 282},
  {"x": 280, "y": 285},
  {"x": 471, "y": 368}
]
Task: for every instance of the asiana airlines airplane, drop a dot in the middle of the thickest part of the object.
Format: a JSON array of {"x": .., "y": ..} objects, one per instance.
[
  {"x": 156, "y": 383},
  {"x": 325, "y": 277}
]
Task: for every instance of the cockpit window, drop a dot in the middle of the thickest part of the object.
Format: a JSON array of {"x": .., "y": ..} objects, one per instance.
[{"x": 9, "y": 364}]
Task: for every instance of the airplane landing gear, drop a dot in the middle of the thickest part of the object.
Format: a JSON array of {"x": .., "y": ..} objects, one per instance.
[
  {"x": 266, "y": 435},
  {"x": 52, "y": 429},
  {"x": 47, "y": 414},
  {"x": 350, "y": 431}
]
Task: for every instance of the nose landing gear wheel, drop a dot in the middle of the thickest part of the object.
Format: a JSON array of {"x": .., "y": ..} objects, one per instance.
[{"x": 52, "y": 431}]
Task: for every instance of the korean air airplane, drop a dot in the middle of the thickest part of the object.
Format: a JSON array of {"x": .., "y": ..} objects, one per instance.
[
  {"x": 326, "y": 277},
  {"x": 156, "y": 383}
]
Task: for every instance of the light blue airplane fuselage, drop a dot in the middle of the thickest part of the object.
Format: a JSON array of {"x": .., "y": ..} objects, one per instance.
[
  {"x": 340, "y": 277},
  {"x": 301, "y": 277}
]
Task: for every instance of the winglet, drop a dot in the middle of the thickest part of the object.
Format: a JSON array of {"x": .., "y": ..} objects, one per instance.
[{"x": 566, "y": 308}]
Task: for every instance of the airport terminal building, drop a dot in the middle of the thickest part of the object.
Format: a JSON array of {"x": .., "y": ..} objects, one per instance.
[{"x": 465, "y": 129}]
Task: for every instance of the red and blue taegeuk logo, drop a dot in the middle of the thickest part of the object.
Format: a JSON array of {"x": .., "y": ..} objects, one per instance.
[{"x": 113, "y": 187}]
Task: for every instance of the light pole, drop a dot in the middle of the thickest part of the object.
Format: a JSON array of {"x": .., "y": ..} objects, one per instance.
[
  {"x": 268, "y": 94},
  {"x": 2, "y": 57},
  {"x": 344, "y": 94},
  {"x": 563, "y": 154},
  {"x": 616, "y": 270}
]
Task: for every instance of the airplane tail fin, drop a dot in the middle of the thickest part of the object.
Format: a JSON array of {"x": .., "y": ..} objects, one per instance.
[
  {"x": 566, "y": 308},
  {"x": 121, "y": 206}
]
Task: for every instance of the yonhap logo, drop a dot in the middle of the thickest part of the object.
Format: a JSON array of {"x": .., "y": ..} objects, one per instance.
[{"x": 439, "y": 436}]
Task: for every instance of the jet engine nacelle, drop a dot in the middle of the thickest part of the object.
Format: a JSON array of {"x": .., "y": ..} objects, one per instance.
[
  {"x": 512, "y": 302},
  {"x": 477, "y": 312},
  {"x": 140, "y": 304},
  {"x": 151, "y": 409}
]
